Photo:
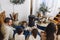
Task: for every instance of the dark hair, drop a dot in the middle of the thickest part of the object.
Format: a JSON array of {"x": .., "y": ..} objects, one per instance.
[
  {"x": 58, "y": 33},
  {"x": 7, "y": 19},
  {"x": 19, "y": 30},
  {"x": 51, "y": 28},
  {"x": 34, "y": 32},
  {"x": 22, "y": 23}
]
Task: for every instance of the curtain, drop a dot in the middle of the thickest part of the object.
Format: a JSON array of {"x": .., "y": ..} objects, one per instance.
[{"x": 53, "y": 6}]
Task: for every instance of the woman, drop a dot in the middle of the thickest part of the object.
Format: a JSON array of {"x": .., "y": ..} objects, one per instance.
[
  {"x": 19, "y": 35},
  {"x": 50, "y": 30},
  {"x": 34, "y": 35}
]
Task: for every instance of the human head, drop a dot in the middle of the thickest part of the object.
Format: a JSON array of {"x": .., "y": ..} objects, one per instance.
[
  {"x": 51, "y": 28},
  {"x": 59, "y": 17},
  {"x": 19, "y": 30},
  {"x": 24, "y": 23},
  {"x": 51, "y": 24},
  {"x": 34, "y": 32},
  {"x": 8, "y": 21}
]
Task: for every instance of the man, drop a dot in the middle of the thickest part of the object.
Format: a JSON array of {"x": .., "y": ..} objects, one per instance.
[
  {"x": 7, "y": 30},
  {"x": 31, "y": 20}
]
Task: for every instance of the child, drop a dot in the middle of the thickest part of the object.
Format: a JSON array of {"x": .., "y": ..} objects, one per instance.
[
  {"x": 19, "y": 35},
  {"x": 34, "y": 35}
]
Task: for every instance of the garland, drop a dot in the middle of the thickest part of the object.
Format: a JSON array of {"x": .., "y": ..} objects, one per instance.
[{"x": 17, "y": 1}]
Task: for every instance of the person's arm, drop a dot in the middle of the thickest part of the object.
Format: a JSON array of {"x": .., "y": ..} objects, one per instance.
[{"x": 13, "y": 28}]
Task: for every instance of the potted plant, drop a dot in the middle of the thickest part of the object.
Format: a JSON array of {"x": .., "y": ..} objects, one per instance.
[{"x": 43, "y": 9}]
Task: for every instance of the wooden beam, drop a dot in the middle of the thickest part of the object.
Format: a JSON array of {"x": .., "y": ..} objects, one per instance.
[{"x": 31, "y": 7}]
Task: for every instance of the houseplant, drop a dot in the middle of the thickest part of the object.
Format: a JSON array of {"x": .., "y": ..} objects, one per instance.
[{"x": 43, "y": 8}]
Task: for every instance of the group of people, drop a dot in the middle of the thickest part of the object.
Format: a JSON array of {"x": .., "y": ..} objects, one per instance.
[
  {"x": 8, "y": 31},
  {"x": 29, "y": 31}
]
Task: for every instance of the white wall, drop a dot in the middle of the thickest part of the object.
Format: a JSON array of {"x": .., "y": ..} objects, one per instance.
[
  {"x": 36, "y": 5},
  {"x": 52, "y": 4},
  {"x": 23, "y": 10}
]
